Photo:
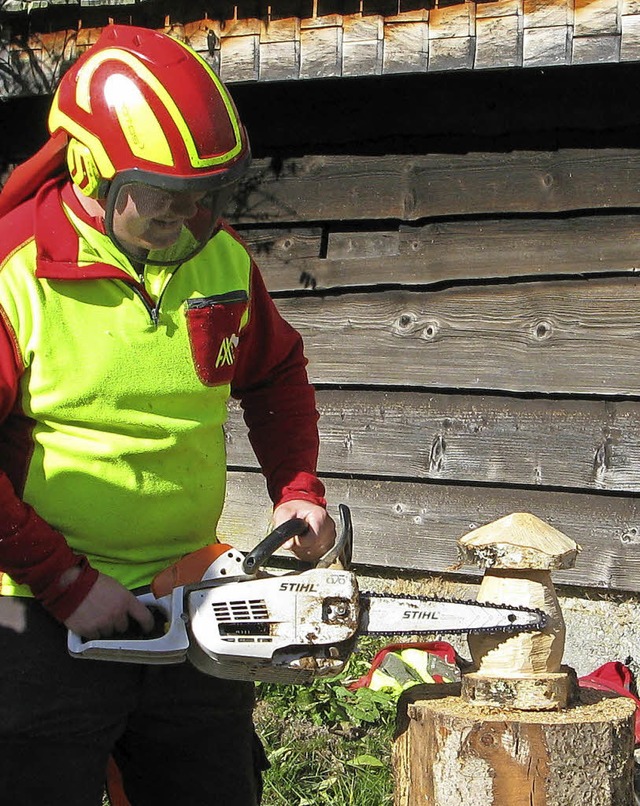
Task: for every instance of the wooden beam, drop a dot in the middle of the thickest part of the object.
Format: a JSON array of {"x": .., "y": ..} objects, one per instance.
[
  {"x": 447, "y": 251},
  {"x": 411, "y": 187},
  {"x": 374, "y": 41},
  {"x": 415, "y": 526},
  {"x": 551, "y": 337},
  {"x": 574, "y": 445}
]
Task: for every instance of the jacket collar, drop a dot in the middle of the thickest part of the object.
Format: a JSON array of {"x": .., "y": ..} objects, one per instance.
[{"x": 58, "y": 241}]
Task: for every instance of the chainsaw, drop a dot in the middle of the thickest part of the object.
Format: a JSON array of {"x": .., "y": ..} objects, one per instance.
[{"x": 230, "y": 618}]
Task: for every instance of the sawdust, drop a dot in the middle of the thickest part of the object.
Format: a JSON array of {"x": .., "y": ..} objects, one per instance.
[{"x": 593, "y": 706}]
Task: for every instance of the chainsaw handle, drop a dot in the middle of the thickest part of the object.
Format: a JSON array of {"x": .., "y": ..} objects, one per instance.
[
  {"x": 170, "y": 647},
  {"x": 258, "y": 556},
  {"x": 339, "y": 555}
]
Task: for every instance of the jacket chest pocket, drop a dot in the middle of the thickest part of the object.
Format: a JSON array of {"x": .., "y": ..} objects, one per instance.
[{"x": 214, "y": 325}]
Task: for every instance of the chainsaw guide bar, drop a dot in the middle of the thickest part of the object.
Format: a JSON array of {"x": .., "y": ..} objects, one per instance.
[{"x": 515, "y": 618}]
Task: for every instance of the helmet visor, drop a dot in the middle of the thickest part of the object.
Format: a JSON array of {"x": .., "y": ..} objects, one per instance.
[{"x": 162, "y": 226}]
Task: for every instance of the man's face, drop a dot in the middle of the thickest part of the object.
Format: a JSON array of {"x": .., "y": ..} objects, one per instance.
[{"x": 146, "y": 217}]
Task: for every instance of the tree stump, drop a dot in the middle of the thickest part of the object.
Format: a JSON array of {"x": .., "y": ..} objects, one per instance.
[{"x": 449, "y": 752}]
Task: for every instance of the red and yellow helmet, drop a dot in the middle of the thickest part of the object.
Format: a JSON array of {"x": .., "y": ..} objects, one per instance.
[{"x": 142, "y": 106}]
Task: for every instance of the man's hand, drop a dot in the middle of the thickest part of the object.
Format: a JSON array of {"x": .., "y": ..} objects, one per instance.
[
  {"x": 320, "y": 535},
  {"x": 107, "y": 609}
]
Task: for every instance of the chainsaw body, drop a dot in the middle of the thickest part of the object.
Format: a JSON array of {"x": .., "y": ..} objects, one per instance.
[
  {"x": 238, "y": 622},
  {"x": 287, "y": 628}
]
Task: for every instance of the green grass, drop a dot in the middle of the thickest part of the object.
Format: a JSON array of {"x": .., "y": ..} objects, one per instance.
[{"x": 327, "y": 746}]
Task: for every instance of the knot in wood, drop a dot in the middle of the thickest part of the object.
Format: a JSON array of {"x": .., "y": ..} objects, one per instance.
[
  {"x": 430, "y": 331},
  {"x": 409, "y": 204},
  {"x": 542, "y": 330},
  {"x": 436, "y": 454},
  {"x": 405, "y": 323},
  {"x": 630, "y": 537},
  {"x": 602, "y": 460},
  {"x": 487, "y": 739}
]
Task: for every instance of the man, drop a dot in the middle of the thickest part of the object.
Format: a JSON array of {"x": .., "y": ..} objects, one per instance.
[{"x": 128, "y": 315}]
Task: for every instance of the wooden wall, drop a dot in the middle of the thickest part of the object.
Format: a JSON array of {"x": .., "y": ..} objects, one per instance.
[
  {"x": 467, "y": 288},
  {"x": 460, "y": 252}
]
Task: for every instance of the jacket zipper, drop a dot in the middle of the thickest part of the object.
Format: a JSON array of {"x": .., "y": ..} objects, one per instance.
[{"x": 153, "y": 308}]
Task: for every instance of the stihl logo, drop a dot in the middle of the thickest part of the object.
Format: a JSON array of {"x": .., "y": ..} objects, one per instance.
[
  {"x": 298, "y": 587},
  {"x": 226, "y": 353},
  {"x": 418, "y": 615}
]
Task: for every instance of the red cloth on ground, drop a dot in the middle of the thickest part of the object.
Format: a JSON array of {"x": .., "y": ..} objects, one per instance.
[{"x": 614, "y": 676}]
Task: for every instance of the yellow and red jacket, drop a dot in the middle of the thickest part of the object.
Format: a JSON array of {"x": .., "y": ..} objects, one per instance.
[{"x": 113, "y": 393}]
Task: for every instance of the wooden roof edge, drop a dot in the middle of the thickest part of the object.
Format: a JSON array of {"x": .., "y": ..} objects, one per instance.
[{"x": 460, "y": 36}]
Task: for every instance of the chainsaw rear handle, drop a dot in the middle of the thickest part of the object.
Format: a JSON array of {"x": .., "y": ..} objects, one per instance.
[{"x": 169, "y": 647}]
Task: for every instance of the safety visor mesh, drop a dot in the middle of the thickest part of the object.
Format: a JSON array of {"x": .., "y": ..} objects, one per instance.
[{"x": 162, "y": 226}]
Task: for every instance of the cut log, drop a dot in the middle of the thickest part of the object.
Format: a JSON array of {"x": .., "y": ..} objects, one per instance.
[
  {"x": 448, "y": 752},
  {"x": 544, "y": 691}
]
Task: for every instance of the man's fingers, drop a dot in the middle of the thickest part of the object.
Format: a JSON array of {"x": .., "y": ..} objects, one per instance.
[
  {"x": 142, "y": 615},
  {"x": 120, "y": 623}
]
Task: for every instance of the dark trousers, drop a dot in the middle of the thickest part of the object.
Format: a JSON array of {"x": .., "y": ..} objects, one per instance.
[{"x": 177, "y": 735}]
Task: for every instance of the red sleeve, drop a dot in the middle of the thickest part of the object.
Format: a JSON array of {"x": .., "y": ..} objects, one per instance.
[
  {"x": 31, "y": 551},
  {"x": 278, "y": 401}
]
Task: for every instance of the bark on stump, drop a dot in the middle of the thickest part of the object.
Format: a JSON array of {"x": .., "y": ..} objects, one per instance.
[{"x": 449, "y": 752}]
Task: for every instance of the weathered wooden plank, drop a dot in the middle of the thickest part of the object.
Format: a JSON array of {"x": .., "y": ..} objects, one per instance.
[
  {"x": 543, "y": 13},
  {"x": 409, "y": 187},
  {"x": 448, "y": 251},
  {"x": 596, "y": 17},
  {"x": 275, "y": 247},
  {"x": 503, "y": 8},
  {"x": 565, "y": 337},
  {"x": 240, "y": 56},
  {"x": 630, "y": 38},
  {"x": 595, "y": 49},
  {"x": 416, "y": 526},
  {"x": 279, "y": 56},
  {"x": 498, "y": 42},
  {"x": 362, "y": 44},
  {"x": 321, "y": 47},
  {"x": 546, "y": 46},
  {"x": 484, "y": 439},
  {"x": 452, "y": 20},
  {"x": 405, "y": 46}
]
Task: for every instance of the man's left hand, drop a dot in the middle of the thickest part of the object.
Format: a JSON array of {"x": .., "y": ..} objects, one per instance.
[{"x": 319, "y": 536}]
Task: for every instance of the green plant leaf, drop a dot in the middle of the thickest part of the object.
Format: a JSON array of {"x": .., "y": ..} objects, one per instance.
[{"x": 366, "y": 760}]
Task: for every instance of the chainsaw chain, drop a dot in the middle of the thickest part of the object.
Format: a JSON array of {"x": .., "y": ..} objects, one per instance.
[{"x": 447, "y": 600}]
